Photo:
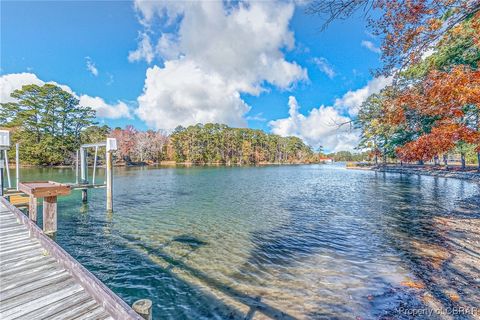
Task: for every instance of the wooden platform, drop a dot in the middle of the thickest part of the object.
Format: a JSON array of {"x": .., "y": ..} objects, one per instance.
[
  {"x": 19, "y": 200},
  {"x": 39, "y": 280}
]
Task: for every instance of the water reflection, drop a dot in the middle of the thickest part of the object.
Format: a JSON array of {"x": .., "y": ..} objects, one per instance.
[{"x": 315, "y": 242}]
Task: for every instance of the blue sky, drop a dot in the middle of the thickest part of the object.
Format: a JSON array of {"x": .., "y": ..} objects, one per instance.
[{"x": 279, "y": 72}]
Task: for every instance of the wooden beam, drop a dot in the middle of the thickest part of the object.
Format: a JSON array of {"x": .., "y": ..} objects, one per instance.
[
  {"x": 50, "y": 215},
  {"x": 32, "y": 208},
  {"x": 40, "y": 189}
]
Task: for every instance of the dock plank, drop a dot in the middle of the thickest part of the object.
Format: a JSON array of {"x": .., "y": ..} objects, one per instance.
[
  {"x": 51, "y": 310},
  {"x": 39, "y": 280}
]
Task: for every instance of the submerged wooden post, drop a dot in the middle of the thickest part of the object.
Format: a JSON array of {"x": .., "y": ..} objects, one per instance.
[
  {"x": 32, "y": 208},
  {"x": 144, "y": 308},
  {"x": 50, "y": 215}
]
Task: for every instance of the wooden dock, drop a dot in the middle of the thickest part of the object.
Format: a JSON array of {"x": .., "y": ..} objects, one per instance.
[{"x": 39, "y": 280}]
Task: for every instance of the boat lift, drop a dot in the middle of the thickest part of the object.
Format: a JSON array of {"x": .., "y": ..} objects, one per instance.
[
  {"x": 4, "y": 147},
  {"x": 81, "y": 180}
]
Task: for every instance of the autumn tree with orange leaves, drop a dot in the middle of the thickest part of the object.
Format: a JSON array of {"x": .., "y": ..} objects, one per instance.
[
  {"x": 453, "y": 99},
  {"x": 432, "y": 48}
]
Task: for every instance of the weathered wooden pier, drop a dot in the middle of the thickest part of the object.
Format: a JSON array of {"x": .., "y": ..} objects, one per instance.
[{"x": 39, "y": 280}]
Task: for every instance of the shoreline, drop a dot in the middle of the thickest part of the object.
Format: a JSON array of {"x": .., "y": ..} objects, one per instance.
[
  {"x": 433, "y": 172},
  {"x": 168, "y": 164}
]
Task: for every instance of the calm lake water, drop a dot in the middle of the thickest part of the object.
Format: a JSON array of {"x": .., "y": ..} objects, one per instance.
[{"x": 285, "y": 242}]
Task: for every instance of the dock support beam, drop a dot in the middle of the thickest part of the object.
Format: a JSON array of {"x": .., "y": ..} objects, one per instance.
[
  {"x": 144, "y": 308},
  {"x": 50, "y": 215},
  {"x": 109, "y": 159},
  {"x": 32, "y": 208}
]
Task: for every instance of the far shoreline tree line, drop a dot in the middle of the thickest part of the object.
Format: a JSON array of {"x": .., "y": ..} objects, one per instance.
[{"x": 50, "y": 126}]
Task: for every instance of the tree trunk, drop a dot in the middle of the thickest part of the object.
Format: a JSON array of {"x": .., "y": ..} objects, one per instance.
[
  {"x": 436, "y": 160},
  {"x": 463, "y": 160},
  {"x": 445, "y": 161}
]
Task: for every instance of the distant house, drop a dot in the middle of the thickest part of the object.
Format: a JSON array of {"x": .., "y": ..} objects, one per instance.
[{"x": 325, "y": 160}]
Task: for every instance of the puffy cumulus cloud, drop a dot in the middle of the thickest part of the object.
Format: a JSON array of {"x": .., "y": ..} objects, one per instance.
[
  {"x": 329, "y": 126},
  {"x": 105, "y": 110},
  {"x": 352, "y": 100},
  {"x": 218, "y": 51},
  {"x": 14, "y": 81},
  {"x": 182, "y": 94},
  {"x": 321, "y": 127}
]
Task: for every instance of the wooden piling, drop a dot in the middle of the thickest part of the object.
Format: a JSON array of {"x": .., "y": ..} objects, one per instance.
[
  {"x": 32, "y": 208},
  {"x": 84, "y": 195},
  {"x": 109, "y": 159},
  {"x": 50, "y": 215},
  {"x": 144, "y": 308}
]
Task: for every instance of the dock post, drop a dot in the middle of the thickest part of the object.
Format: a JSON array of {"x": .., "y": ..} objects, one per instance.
[
  {"x": 50, "y": 215},
  {"x": 144, "y": 308},
  {"x": 84, "y": 172},
  {"x": 109, "y": 159},
  {"x": 17, "y": 163},
  {"x": 32, "y": 208}
]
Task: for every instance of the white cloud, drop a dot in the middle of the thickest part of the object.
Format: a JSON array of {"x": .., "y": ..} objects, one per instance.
[
  {"x": 257, "y": 117},
  {"x": 14, "y": 81},
  {"x": 91, "y": 66},
  {"x": 183, "y": 94},
  {"x": 371, "y": 46},
  {"x": 329, "y": 126},
  {"x": 352, "y": 100},
  {"x": 324, "y": 66},
  {"x": 144, "y": 50},
  {"x": 321, "y": 127},
  {"x": 105, "y": 110},
  {"x": 167, "y": 47},
  {"x": 218, "y": 51}
]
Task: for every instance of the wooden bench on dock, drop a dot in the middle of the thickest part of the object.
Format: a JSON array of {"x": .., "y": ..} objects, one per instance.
[{"x": 39, "y": 280}]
